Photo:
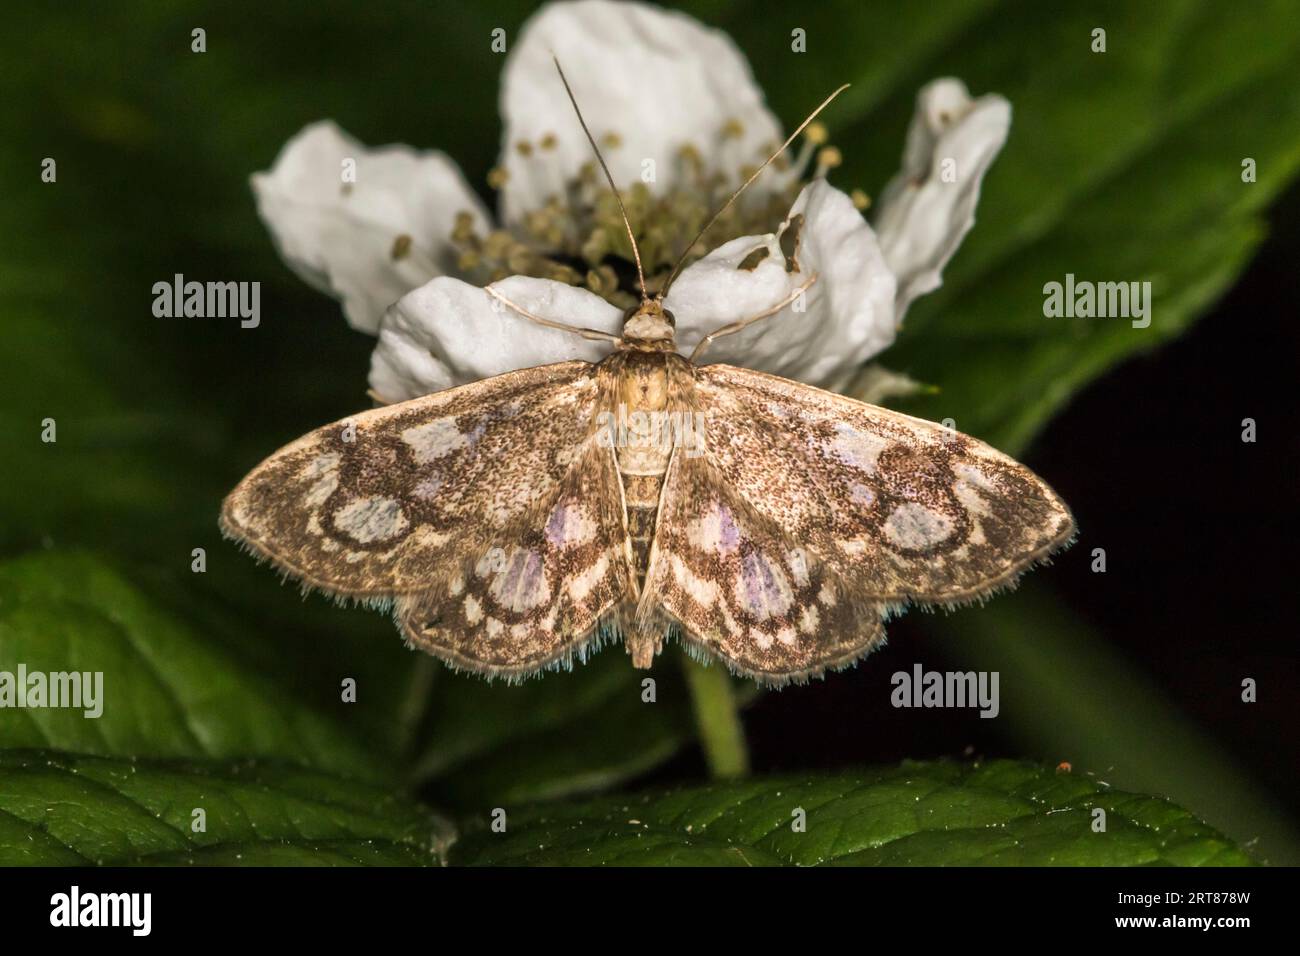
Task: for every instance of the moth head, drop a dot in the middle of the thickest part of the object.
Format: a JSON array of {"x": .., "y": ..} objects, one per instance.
[{"x": 649, "y": 322}]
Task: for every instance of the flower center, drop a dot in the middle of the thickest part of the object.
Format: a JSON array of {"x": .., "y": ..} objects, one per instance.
[{"x": 578, "y": 237}]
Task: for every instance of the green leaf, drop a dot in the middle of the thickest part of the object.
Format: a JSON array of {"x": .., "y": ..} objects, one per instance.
[
  {"x": 67, "y": 809},
  {"x": 919, "y": 814},
  {"x": 1067, "y": 692},
  {"x": 171, "y": 689},
  {"x": 562, "y": 734},
  {"x": 167, "y": 691}
]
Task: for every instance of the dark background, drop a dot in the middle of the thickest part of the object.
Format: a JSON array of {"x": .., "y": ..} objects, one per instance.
[{"x": 155, "y": 147}]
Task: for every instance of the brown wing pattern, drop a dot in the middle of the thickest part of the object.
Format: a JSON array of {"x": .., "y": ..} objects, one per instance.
[
  {"x": 537, "y": 597},
  {"x": 904, "y": 509},
  {"x": 738, "y": 586},
  {"x": 486, "y": 512}
]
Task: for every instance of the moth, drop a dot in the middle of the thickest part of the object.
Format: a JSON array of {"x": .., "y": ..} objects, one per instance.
[{"x": 519, "y": 522}]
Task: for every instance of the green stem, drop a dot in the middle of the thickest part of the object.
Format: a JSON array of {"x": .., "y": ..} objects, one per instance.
[{"x": 717, "y": 718}]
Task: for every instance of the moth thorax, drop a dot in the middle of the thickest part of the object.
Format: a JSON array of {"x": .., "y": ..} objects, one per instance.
[
  {"x": 649, "y": 322},
  {"x": 644, "y": 386}
]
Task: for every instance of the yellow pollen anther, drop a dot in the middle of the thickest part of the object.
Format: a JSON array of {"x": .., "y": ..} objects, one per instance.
[
  {"x": 860, "y": 199},
  {"x": 524, "y": 147},
  {"x": 733, "y": 129},
  {"x": 496, "y": 177},
  {"x": 548, "y": 141},
  {"x": 611, "y": 140},
  {"x": 462, "y": 232},
  {"x": 816, "y": 133},
  {"x": 828, "y": 157}
]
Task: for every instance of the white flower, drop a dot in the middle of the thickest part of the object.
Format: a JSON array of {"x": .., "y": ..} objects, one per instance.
[{"x": 407, "y": 245}]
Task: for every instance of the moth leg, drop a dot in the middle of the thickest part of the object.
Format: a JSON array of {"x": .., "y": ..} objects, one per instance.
[
  {"x": 735, "y": 327},
  {"x": 591, "y": 334}
]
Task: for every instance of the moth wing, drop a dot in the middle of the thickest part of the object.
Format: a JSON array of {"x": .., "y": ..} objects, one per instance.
[
  {"x": 537, "y": 597},
  {"x": 380, "y": 503},
  {"x": 739, "y": 587},
  {"x": 904, "y": 509},
  {"x": 486, "y": 512}
]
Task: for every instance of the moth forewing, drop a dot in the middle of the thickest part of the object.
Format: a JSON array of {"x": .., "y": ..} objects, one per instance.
[
  {"x": 906, "y": 510},
  {"x": 483, "y": 509}
]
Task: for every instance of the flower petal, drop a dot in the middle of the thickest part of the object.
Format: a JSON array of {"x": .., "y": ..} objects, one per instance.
[
  {"x": 922, "y": 217},
  {"x": 656, "y": 79},
  {"x": 346, "y": 238},
  {"x": 876, "y": 385},
  {"x": 849, "y": 313},
  {"x": 448, "y": 332}
]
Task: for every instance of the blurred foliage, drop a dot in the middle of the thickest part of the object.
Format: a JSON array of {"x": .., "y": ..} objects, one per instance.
[{"x": 1120, "y": 165}]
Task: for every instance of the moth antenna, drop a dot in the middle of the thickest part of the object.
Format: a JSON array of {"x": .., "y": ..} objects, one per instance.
[
  {"x": 672, "y": 276},
  {"x": 636, "y": 252}
]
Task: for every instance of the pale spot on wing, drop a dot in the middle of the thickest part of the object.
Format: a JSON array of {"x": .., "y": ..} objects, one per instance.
[
  {"x": 786, "y": 635},
  {"x": 714, "y": 531},
  {"x": 570, "y": 526},
  {"x": 856, "y": 448},
  {"x": 862, "y": 495},
  {"x": 321, "y": 465},
  {"x": 427, "y": 488},
  {"x": 324, "y": 471},
  {"x": 762, "y": 640},
  {"x": 971, "y": 487},
  {"x": 826, "y": 595},
  {"x": 763, "y": 588},
  {"x": 915, "y": 526},
  {"x": 798, "y": 562},
  {"x": 370, "y": 519},
  {"x": 522, "y": 586},
  {"x": 580, "y": 585},
  {"x": 975, "y": 477},
  {"x": 319, "y": 493},
  {"x": 856, "y": 547},
  {"x": 457, "y": 586},
  {"x": 435, "y": 439},
  {"x": 473, "y": 610},
  {"x": 809, "y": 618},
  {"x": 701, "y": 590}
]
